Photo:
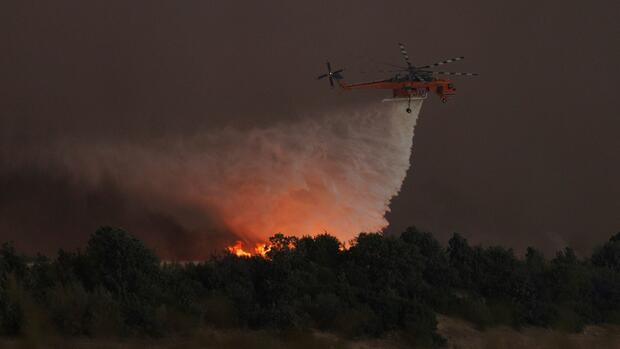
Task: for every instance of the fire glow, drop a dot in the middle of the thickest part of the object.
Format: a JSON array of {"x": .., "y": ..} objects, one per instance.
[
  {"x": 259, "y": 250},
  {"x": 332, "y": 172},
  {"x": 335, "y": 173}
]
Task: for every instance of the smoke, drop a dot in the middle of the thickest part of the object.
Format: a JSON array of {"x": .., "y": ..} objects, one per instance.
[{"x": 334, "y": 173}]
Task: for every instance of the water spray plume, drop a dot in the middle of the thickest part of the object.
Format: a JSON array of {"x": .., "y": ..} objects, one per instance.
[{"x": 335, "y": 173}]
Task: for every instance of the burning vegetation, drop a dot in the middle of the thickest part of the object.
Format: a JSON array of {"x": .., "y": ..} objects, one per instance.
[
  {"x": 278, "y": 241},
  {"x": 259, "y": 249}
]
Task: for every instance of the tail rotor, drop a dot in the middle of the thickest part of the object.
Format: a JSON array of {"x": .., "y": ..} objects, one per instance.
[{"x": 331, "y": 74}]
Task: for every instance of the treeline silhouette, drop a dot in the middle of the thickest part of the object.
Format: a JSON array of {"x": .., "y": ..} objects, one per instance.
[{"x": 381, "y": 285}]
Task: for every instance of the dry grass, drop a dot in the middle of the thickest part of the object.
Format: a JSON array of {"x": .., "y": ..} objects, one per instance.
[
  {"x": 207, "y": 339},
  {"x": 460, "y": 335}
]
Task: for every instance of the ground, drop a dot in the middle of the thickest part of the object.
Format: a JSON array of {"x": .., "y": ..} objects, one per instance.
[
  {"x": 462, "y": 335},
  {"x": 459, "y": 335}
]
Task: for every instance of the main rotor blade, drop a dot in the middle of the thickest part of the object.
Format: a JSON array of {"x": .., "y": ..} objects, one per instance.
[
  {"x": 386, "y": 63},
  {"x": 331, "y": 81},
  {"x": 404, "y": 53},
  {"x": 329, "y": 67},
  {"x": 453, "y": 73},
  {"x": 338, "y": 71},
  {"x": 443, "y": 62},
  {"x": 383, "y": 71},
  {"x": 322, "y": 76},
  {"x": 420, "y": 77}
]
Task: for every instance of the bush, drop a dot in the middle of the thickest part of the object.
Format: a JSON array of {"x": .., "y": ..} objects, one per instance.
[
  {"x": 11, "y": 307},
  {"x": 381, "y": 286}
]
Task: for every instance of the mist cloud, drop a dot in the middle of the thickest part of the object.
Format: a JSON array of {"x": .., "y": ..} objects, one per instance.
[{"x": 334, "y": 172}]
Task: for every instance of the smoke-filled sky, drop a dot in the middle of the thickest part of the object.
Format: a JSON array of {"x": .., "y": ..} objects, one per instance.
[{"x": 132, "y": 113}]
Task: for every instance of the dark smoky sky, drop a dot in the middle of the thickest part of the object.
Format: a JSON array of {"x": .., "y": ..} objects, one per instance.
[{"x": 526, "y": 154}]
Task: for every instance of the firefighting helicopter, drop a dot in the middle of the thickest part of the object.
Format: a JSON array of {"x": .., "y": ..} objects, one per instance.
[{"x": 409, "y": 81}]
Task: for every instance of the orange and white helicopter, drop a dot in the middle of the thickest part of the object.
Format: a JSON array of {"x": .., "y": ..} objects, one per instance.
[{"x": 408, "y": 82}]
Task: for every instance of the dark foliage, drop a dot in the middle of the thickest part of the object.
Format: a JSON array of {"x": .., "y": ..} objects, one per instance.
[{"x": 378, "y": 286}]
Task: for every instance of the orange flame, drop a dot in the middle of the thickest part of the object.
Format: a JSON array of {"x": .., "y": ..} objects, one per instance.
[
  {"x": 262, "y": 249},
  {"x": 259, "y": 250},
  {"x": 237, "y": 249}
]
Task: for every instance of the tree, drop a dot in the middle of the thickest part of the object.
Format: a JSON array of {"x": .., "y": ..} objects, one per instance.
[
  {"x": 437, "y": 271},
  {"x": 280, "y": 245},
  {"x": 609, "y": 254},
  {"x": 322, "y": 249},
  {"x": 461, "y": 257},
  {"x": 126, "y": 268},
  {"x": 570, "y": 285},
  {"x": 120, "y": 262},
  {"x": 11, "y": 262}
]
